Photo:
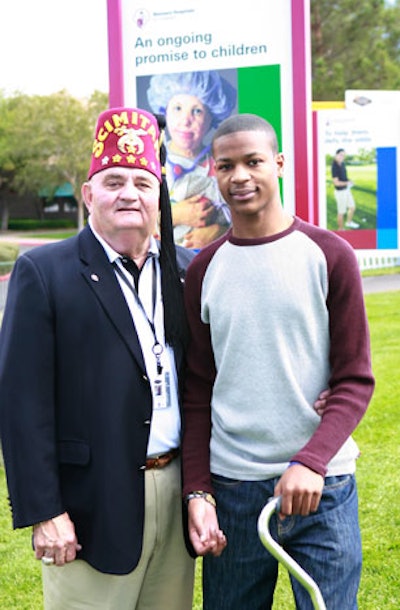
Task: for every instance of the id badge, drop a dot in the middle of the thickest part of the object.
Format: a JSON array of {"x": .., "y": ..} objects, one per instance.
[{"x": 162, "y": 391}]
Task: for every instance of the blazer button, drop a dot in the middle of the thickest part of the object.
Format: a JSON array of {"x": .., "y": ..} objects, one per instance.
[
  {"x": 147, "y": 422},
  {"x": 145, "y": 378},
  {"x": 142, "y": 467}
]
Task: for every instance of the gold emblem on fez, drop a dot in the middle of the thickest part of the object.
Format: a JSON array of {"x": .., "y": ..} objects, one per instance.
[{"x": 130, "y": 141}]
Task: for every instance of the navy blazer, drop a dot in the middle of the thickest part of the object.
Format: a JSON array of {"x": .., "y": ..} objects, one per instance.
[{"x": 76, "y": 403}]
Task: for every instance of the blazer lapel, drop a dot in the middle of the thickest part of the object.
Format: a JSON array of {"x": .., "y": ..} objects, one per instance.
[{"x": 99, "y": 274}]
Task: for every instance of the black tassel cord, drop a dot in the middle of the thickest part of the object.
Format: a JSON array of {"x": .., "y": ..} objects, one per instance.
[{"x": 171, "y": 284}]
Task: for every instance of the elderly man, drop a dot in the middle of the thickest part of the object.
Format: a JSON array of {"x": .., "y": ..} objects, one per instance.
[{"x": 91, "y": 355}]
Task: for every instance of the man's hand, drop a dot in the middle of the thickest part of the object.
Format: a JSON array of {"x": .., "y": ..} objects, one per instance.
[
  {"x": 205, "y": 534},
  {"x": 300, "y": 489},
  {"x": 56, "y": 539},
  {"x": 320, "y": 403}
]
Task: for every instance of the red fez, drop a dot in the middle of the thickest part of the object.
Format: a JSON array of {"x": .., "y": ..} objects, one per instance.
[{"x": 126, "y": 137}]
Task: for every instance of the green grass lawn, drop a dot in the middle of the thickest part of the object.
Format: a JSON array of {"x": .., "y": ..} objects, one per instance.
[
  {"x": 395, "y": 270},
  {"x": 378, "y": 482}
]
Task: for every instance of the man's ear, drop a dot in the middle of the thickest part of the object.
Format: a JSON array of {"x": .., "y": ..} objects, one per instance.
[
  {"x": 86, "y": 192},
  {"x": 280, "y": 162}
]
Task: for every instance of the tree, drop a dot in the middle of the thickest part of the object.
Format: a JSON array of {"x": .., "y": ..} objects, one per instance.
[
  {"x": 355, "y": 45},
  {"x": 8, "y": 161},
  {"x": 47, "y": 140}
]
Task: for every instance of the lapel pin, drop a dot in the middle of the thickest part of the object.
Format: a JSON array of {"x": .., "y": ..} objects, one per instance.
[{"x": 94, "y": 277}]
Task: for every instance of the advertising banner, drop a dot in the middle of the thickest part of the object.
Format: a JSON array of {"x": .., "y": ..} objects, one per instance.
[
  {"x": 365, "y": 136},
  {"x": 224, "y": 58}
]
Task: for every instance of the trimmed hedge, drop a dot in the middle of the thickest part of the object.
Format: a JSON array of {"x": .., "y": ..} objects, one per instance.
[{"x": 30, "y": 224}]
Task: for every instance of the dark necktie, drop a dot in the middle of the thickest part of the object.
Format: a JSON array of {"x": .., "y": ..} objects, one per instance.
[{"x": 133, "y": 269}]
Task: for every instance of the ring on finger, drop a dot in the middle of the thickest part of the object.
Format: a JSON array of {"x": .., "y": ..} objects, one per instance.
[{"x": 47, "y": 561}]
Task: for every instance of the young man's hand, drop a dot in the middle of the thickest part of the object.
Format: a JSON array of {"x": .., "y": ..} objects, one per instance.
[
  {"x": 300, "y": 489},
  {"x": 205, "y": 534}
]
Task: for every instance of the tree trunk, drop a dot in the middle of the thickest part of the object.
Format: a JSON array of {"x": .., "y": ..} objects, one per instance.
[
  {"x": 80, "y": 214},
  {"x": 5, "y": 214}
]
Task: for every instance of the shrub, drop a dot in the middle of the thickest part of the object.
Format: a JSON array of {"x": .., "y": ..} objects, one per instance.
[{"x": 8, "y": 255}]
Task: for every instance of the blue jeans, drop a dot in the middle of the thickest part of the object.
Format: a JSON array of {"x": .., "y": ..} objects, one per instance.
[{"x": 326, "y": 544}]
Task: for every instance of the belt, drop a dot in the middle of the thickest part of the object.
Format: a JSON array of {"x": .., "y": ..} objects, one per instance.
[{"x": 160, "y": 461}]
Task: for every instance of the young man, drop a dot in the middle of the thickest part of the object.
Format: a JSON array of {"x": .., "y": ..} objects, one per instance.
[
  {"x": 343, "y": 196},
  {"x": 276, "y": 313},
  {"x": 91, "y": 353}
]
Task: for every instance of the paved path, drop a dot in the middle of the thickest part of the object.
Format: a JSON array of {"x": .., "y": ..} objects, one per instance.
[{"x": 381, "y": 283}]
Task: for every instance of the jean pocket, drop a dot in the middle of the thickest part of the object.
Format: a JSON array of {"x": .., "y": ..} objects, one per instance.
[
  {"x": 332, "y": 483},
  {"x": 337, "y": 491}
]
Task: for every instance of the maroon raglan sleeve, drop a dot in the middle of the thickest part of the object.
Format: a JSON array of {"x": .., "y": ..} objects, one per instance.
[
  {"x": 200, "y": 375},
  {"x": 351, "y": 380}
]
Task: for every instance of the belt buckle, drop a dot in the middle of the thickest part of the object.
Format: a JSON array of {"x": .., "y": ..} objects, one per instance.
[{"x": 160, "y": 461}]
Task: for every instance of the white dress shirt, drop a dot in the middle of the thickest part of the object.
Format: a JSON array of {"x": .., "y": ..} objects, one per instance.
[{"x": 166, "y": 421}]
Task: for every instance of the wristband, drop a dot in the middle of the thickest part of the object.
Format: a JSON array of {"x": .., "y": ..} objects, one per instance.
[{"x": 205, "y": 495}]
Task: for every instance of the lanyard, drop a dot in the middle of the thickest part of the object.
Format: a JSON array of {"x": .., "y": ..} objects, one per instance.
[{"x": 157, "y": 348}]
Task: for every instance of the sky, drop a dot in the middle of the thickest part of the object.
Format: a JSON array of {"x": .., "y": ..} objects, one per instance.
[{"x": 50, "y": 45}]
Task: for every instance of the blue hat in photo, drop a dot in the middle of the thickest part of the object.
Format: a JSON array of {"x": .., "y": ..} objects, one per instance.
[{"x": 209, "y": 87}]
